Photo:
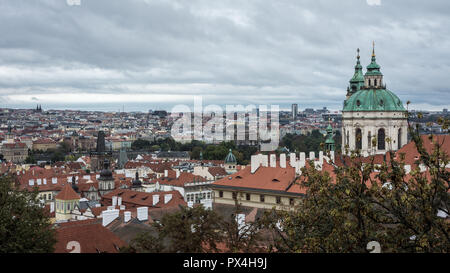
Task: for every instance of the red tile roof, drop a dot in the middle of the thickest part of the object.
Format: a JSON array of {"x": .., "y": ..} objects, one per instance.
[
  {"x": 91, "y": 236},
  {"x": 131, "y": 198},
  {"x": 67, "y": 193}
]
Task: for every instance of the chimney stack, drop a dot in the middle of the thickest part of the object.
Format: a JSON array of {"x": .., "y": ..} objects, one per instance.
[
  {"x": 108, "y": 216},
  {"x": 177, "y": 171},
  {"x": 332, "y": 156},
  {"x": 119, "y": 201},
  {"x": 167, "y": 198},
  {"x": 292, "y": 159},
  {"x": 127, "y": 216},
  {"x": 312, "y": 156},
  {"x": 155, "y": 199},
  {"x": 142, "y": 213},
  {"x": 264, "y": 160},
  {"x": 321, "y": 157},
  {"x": 114, "y": 201},
  {"x": 166, "y": 173},
  {"x": 254, "y": 163},
  {"x": 273, "y": 160},
  {"x": 283, "y": 160}
]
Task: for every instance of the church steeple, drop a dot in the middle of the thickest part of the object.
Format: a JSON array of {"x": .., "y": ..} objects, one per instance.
[
  {"x": 357, "y": 81},
  {"x": 373, "y": 79}
]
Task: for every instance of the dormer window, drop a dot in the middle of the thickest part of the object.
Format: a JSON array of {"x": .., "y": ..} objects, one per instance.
[{"x": 358, "y": 103}]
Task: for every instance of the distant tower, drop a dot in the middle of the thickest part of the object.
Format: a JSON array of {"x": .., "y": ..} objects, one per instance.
[
  {"x": 9, "y": 135},
  {"x": 294, "y": 109},
  {"x": 106, "y": 180},
  {"x": 100, "y": 154},
  {"x": 329, "y": 142},
  {"x": 123, "y": 158},
  {"x": 136, "y": 183},
  {"x": 66, "y": 200}
]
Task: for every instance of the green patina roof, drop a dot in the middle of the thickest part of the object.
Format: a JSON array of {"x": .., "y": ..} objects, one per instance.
[
  {"x": 373, "y": 100},
  {"x": 230, "y": 159},
  {"x": 373, "y": 68},
  {"x": 329, "y": 139}
]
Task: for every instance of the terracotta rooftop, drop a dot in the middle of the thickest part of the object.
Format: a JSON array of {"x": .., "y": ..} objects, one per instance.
[
  {"x": 91, "y": 236},
  {"x": 67, "y": 193}
]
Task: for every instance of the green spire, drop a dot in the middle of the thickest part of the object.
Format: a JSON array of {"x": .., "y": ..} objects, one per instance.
[
  {"x": 357, "y": 81},
  {"x": 329, "y": 142},
  {"x": 373, "y": 68}
]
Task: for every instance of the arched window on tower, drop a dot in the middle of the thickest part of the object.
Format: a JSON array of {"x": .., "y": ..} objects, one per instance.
[
  {"x": 399, "y": 138},
  {"x": 369, "y": 140},
  {"x": 370, "y": 82},
  {"x": 358, "y": 139},
  {"x": 375, "y": 82},
  {"x": 348, "y": 139},
  {"x": 381, "y": 139}
]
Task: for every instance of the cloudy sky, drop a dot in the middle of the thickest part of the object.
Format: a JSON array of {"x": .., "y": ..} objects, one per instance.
[{"x": 153, "y": 54}]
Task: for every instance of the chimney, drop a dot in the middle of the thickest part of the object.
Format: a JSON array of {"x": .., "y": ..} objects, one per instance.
[
  {"x": 298, "y": 167},
  {"x": 166, "y": 173},
  {"x": 122, "y": 207},
  {"x": 177, "y": 172},
  {"x": 273, "y": 160},
  {"x": 108, "y": 216},
  {"x": 127, "y": 216},
  {"x": 167, "y": 198},
  {"x": 321, "y": 157},
  {"x": 264, "y": 160},
  {"x": 292, "y": 159},
  {"x": 111, "y": 207},
  {"x": 312, "y": 156},
  {"x": 283, "y": 160},
  {"x": 254, "y": 163},
  {"x": 114, "y": 201},
  {"x": 52, "y": 207},
  {"x": 142, "y": 213},
  {"x": 119, "y": 201},
  {"x": 155, "y": 199},
  {"x": 407, "y": 168},
  {"x": 302, "y": 157},
  {"x": 332, "y": 156}
]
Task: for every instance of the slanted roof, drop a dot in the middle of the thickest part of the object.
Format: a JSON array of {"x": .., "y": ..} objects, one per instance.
[{"x": 67, "y": 193}]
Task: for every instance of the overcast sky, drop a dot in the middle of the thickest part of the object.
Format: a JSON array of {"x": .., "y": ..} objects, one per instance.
[{"x": 153, "y": 54}]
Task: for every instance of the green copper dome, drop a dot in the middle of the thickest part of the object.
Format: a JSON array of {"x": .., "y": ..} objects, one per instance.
[
  {"x": 230, "y": 159},
  {"x": 373, "y": 100}
]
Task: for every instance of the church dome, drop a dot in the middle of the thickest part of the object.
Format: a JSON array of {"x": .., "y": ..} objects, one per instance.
[
  {"x": 230, "y": 159},
  {"x": 373, "y": 100}
]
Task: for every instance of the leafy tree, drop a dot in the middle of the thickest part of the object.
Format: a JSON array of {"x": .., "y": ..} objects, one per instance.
[
  {"x": 189, "y": 230},
  {"x": 24, "y": 227},
  {"x": 396, "y": 209}
]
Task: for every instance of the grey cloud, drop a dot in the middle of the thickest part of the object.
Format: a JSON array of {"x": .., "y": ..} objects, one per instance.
[{"x": 262, "y": 51}]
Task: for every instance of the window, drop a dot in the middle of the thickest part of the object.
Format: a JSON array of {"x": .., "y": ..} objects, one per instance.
[
  {"x": 234, "y": 195},
  {"x": 399, "y": 139},
  {"x": 369, "y": 140},
  {"x": 221, "y": 194},
  {"x": 261, "y": 198},
  {"x": 278, "y": 200},
  {"x": 376, "y": 82},
  {"x": 381, "y": 139},
  {"x": 291, "y": 201},
  {"x": 358, "y": 139},
  {"x": 247, "y": 196}
]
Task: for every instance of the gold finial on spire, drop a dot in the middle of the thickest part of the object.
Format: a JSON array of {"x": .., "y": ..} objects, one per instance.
[
  {"x": 358, "y": 53},
  {"x": 373, "y": 50}
]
